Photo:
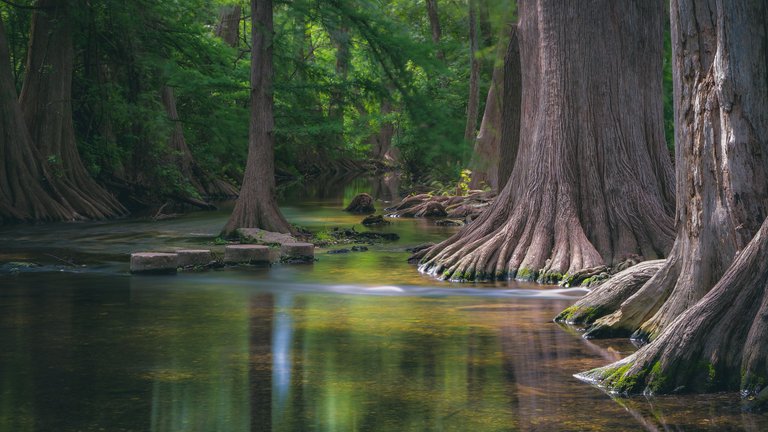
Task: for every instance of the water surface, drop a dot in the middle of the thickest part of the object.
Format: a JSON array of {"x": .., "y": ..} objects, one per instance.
[{"x": 357, "y": 341}]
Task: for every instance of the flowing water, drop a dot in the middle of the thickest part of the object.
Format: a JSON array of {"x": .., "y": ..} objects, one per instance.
[{"x": 354, "y": 342}]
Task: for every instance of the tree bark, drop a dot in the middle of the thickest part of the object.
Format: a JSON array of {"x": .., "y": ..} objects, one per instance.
[
  {"x": 228, "y": 27},
  {"x": 46, "y": 103},
  {"x": 721, "y": 136},
  {"x": 473, "y": 101},
  {"x": 204, "y": 184},
  {"x": 592, "y": 182},
  {"x": 434, "y": 24},
  {"x": 256, "y": 206},
  {"x": 26, "y": 191},
  {"x": 487, "y": 152},
  {"x": 511, "y": 110},
  {"x": 340, "y": 38},
  {"x": 382, "y": 141}
]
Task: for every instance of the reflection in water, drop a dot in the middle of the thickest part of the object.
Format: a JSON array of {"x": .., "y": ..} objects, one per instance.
[{"x": 356, "y": 342}]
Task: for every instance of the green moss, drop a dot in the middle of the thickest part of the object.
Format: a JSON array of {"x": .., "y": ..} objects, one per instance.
[
  {"x": 657, "y": 381},
  {"x": 549, "y": 277},
  {"x": 567, "y": 314},
  {"x": 526, "y": 274},
  {"x": 621, "y": 381}
]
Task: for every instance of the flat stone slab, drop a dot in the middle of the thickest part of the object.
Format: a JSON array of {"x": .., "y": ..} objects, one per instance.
[
  {"x": 246, "y": 254},
  {"x": 304, "y": 250},
  {"x": 258, "y": 235},
  {"x": 154, "y": 262},
  {"x": 194, "y": 257}
]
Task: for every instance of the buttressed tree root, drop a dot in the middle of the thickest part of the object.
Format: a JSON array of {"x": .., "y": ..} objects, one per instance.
[{"x": 592, "y": 183}]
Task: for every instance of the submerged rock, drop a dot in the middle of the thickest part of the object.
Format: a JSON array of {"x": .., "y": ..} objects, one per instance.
[
  {"x": 374, "y": 220},
  {"x": 359, "y": 249},
  {"x": 338, "y": 251},
  {"x": 450, "y": 222},
  {"x": 361, "y": 203}
]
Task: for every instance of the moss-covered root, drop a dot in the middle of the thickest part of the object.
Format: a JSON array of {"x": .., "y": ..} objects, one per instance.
[
  {"x": 628, "y": 377},
  {"x": 608, "y": 297}
]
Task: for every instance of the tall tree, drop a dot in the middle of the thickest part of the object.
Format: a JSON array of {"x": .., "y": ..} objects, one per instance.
[
  {"x": 721, "y": 135},
  {"x": 26, "y": 190},
  {"x": 473, "y": 101},
  {"x": 434, "y": 24},
  {"x": 46, "y": 103},
  {"x": 228, "y": 27},
  {"x": 716, "y": 281},
  {"x": 592, "y": 181},
  {"x": 257, "y": 203},
  {"x": 488, "y": 156}
]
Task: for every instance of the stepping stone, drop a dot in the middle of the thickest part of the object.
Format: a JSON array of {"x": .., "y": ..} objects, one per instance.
[
  {"x": 297, "y": 250},
  {"x": 246, "y": 254},
  {"x": 194, "y": 257},
  {"x": 257, "y": 235},
  {"x": 154, "y": 262}
]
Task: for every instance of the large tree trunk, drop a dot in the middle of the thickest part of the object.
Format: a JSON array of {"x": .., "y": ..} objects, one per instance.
[
  {"x": 721, "y": 136},
  {"x": 257, "y": 205},
  {"x": 592, "y": 183},
  {"x": 434, "y": 24},
  {"x": 473, "y": 101},
  {"x": 228, "y": 27},
  {"x": 26, "y": 192},
  {"x": 46, "y": 102}
]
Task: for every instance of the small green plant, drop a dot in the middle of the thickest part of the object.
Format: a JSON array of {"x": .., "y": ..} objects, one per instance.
[{"x": 219, "y": 241}]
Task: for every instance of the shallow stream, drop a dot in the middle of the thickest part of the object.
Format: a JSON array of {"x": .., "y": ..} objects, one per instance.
[{"x": 357, "y": 341}]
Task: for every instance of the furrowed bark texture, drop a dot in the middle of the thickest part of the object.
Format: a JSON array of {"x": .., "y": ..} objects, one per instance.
[
  {"x": 721, "y": 135},
  {"x": 256, "y": 206},
  {"x": 485, "y": 157},
  {"x": 46, "y": 103},
  {"x": 608, "y": 296},
  {"x": 204, "y": 184},
  {"x": 721, "y": 343},
  {"x": 25, "y": 191},
  {"x": 592, "y": 182},
  {"x": 511, "y": 109},
  {"x": 228, "y": 27}
]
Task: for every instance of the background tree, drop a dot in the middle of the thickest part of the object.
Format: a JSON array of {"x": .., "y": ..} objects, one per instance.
[
  {"x": 27, "y": 191},
  {"x": 592, "y": 182},
  {"x": 46, "y": 103},
  {"x": 257, "y": 204}
]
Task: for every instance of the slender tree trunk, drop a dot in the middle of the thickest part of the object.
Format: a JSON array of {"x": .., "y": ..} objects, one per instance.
[
  {"x": 228, "y": 27},
  {"x": 434, "y": 24},
  {"x": 46, "y": 102},
  {"x": 485, "y": 158},
  {"x": 473, "y": 101},
  {"x": 205, "y": 184},
  {"x": 340, "y": 38},
  {"x": 592, "y": 182},
  {"x": 256, "y": 206},
  {"x": 721, "y": 136},
  {"x": 26, "y": 192}
]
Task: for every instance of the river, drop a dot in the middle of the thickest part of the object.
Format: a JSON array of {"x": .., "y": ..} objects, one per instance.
[{"x": 354, "y": 342}]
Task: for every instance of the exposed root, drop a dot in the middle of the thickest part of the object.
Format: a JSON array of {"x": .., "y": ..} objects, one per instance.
[
  {"x": 609, "y": 296},
  {"x": 720, "y": 343},
  {"x": 424, "y": 205}
]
